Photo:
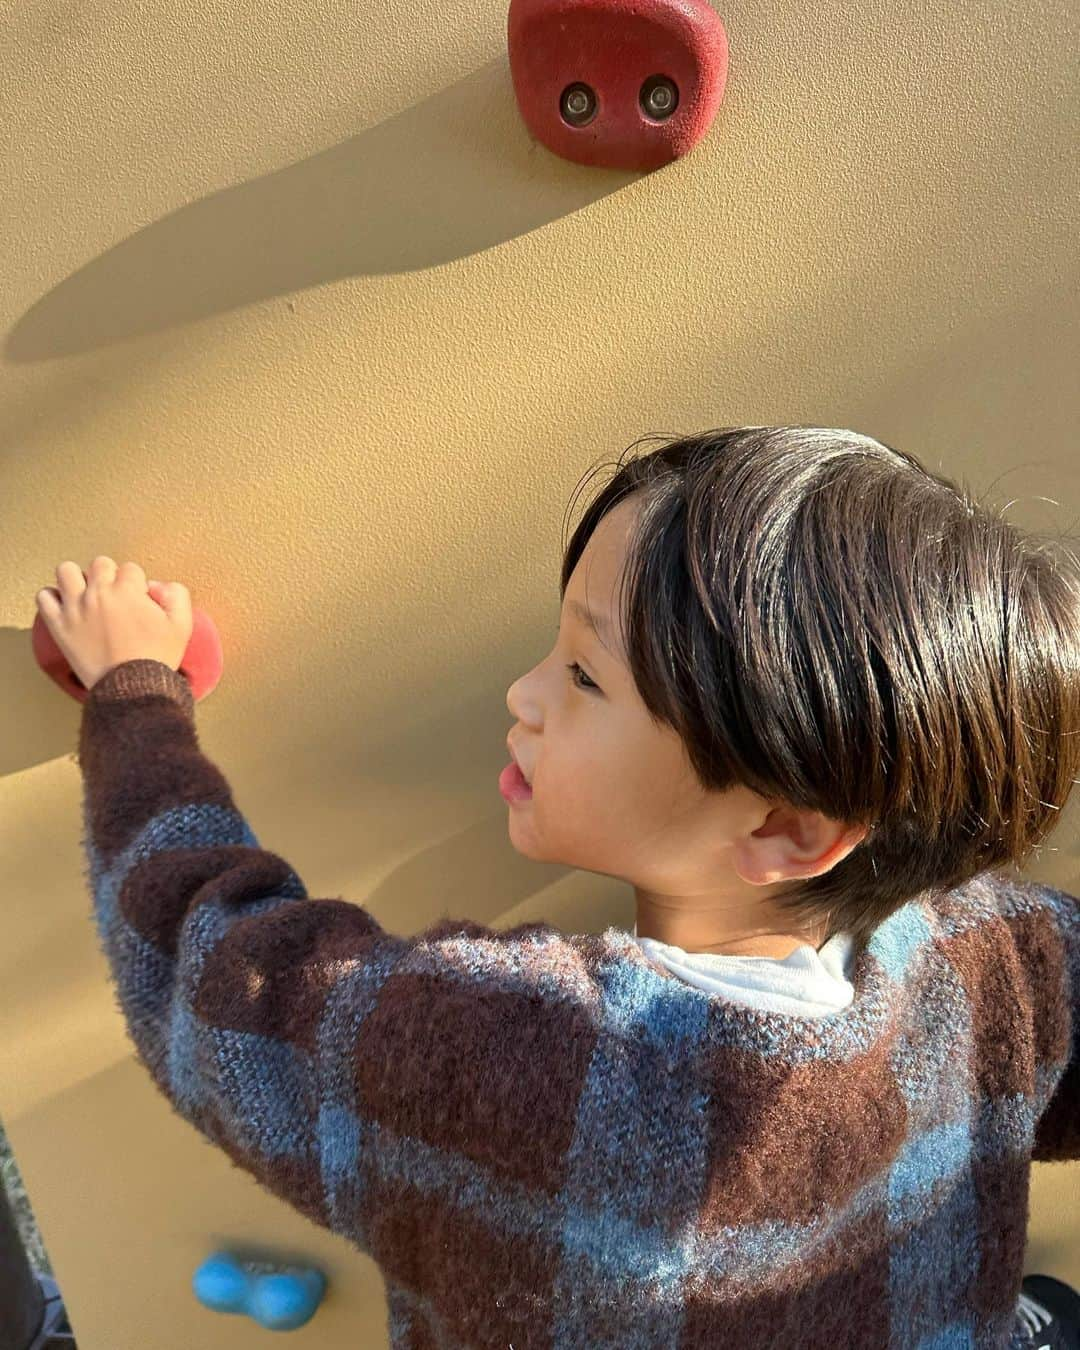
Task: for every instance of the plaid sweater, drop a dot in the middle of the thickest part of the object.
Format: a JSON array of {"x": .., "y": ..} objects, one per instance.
[{"x": 544, "y": 1142}]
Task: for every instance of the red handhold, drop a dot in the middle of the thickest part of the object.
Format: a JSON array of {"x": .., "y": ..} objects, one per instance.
[
  {"x": 201, "y": 662},
  {"x": 615, "y": 48}
]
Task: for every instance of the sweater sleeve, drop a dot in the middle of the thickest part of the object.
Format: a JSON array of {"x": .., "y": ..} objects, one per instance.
[
  {"x": 335, "y": 1062},
  {"x": 1052, "y": 942}
]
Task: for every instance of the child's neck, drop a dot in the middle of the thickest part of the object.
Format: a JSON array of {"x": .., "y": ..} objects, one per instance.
[{"x": 721, "y": 933}]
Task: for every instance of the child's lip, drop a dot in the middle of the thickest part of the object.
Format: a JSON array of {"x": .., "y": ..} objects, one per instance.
[{"x": 513, "y": 756}]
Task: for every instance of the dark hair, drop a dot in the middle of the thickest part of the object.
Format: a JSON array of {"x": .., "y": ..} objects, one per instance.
[{"x": 825, "y": 621}]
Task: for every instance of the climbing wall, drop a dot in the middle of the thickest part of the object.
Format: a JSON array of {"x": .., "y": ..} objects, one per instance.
[{"x": 296, "y": 310}]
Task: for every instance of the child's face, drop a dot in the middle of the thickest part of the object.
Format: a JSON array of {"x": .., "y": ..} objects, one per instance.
[
  {"x": 612, "y": 792},
  {"x": 616, "y": 794}
]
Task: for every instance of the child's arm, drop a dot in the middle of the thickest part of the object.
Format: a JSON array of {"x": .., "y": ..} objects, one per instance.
[{"x": 350, "y": 1071}]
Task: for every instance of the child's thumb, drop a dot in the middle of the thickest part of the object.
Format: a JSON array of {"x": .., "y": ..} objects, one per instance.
[{"x": 170, "y": 595}]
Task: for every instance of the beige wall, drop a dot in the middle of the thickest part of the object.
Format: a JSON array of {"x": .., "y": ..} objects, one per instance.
[{"x": 296, "y": 313}]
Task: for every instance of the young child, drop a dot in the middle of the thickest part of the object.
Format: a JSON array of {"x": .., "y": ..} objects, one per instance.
[{"x": 824, "y": 706}]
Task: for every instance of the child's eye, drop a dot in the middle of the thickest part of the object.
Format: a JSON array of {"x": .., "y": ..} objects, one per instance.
[{"x": 575, "y": 667}]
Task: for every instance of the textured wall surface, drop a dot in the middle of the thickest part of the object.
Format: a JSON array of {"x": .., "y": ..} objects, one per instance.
[{"x": 294, "y": 311}]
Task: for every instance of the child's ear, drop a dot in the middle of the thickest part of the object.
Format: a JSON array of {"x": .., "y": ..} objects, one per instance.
[{"x": 792, "y": 843}]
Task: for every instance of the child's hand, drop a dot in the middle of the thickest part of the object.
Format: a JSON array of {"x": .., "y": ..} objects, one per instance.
[{"x": 111, "y": 614}]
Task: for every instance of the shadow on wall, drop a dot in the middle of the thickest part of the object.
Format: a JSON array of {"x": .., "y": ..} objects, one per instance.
[
  {"x": 33, "y": 701},
  {"x": 451, "y": 176}
]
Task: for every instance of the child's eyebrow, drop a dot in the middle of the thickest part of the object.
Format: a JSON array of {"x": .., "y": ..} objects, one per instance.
[{"x": 597, "y": 622}]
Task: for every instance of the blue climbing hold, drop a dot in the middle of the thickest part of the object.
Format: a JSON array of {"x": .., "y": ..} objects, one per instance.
[
  {"x": 279, "y": 1300},
  {"x": 221, "y": 1285},
  {"x": 285, "y": 1301}
]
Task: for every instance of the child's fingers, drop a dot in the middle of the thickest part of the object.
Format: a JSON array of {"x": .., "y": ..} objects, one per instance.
[{"x": 71, "y": 579}]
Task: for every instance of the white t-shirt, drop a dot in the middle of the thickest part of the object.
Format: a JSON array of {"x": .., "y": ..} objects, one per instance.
[{"x": 806, "y": 983}]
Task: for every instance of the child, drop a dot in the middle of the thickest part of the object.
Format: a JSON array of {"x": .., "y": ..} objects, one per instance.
[{"x": 826, "y": 703}]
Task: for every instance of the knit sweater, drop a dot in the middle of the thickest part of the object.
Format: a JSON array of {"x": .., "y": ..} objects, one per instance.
[{"x": 547, "y": 1143}]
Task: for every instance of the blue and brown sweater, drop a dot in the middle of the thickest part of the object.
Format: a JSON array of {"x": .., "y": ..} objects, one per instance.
[{"x": 547, "y": 1143}]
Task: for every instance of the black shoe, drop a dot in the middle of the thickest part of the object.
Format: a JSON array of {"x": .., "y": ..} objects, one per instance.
[{"x": 1049, "y": 1312}]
